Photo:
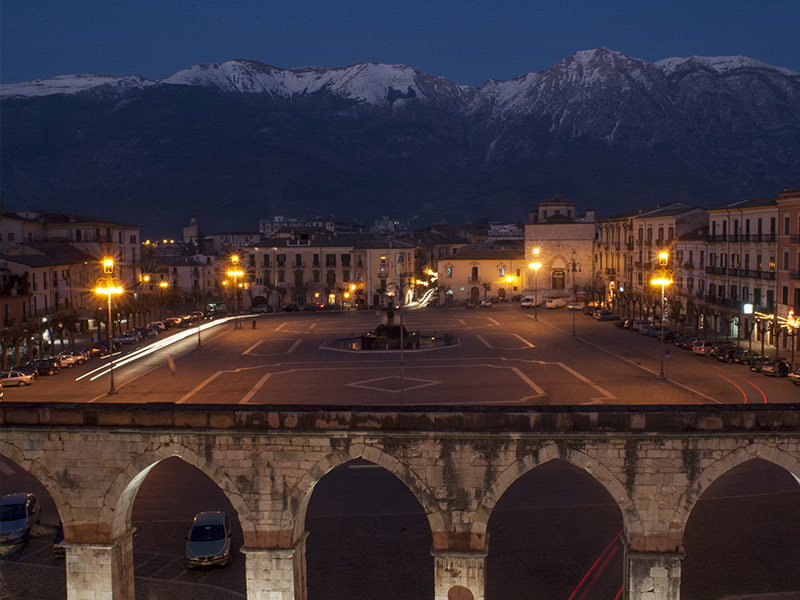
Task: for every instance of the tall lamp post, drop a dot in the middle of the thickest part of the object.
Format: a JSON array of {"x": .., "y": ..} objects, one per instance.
[
  {"x": 792, "y": 324},
  {"x": 575, "y": 266},
  {"x": 663, "y": 277},
  {"x": 108, "y": 286},
  {"x": 535, "y": 265},
  {"x": 235, "y": 272}
]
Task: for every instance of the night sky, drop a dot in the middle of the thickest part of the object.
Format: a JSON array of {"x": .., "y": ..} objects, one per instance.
[{"x": 468, "y": 41}]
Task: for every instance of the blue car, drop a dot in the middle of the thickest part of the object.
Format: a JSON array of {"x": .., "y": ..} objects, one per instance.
[{"x": 18, "y": 514}]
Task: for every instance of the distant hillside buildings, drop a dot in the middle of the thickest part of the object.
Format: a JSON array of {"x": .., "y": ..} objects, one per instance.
[{"x": 735, "y": 268}]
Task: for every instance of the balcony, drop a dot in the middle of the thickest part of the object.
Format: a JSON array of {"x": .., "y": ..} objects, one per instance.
[
  {"x": 794, "y": 239},
  {"x": 715, "y": 270},
  {"x": 610, "y": 271},
  {"x": 688, "y": 265},
  {"x": 474, "y": 280},
  {"x": 768, "y": 275}
]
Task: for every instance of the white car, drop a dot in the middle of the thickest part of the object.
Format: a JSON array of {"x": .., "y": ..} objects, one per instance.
[
  {"x": 17, "y": 378},
  {"x": 209, "y": 540},
  {"x": 70, "y": 358}
]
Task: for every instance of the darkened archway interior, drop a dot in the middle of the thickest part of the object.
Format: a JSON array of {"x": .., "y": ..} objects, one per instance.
[
  {"x": 21, "y": 564},
  {"x": 555, "y": 534},
  {"x": 743, "y": 535},
  {"x": 368, "y": 537},
  {"x": 170, "y": 496}
]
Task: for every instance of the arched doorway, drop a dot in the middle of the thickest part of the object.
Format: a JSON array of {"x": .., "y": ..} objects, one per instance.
[
  {"x": 743, "y": 534},
  {"x": 368, "y": 537},
  {"x": 172, "y": 493},
  {"x": 30, "y": 570},
  {"x": 555, "y": 533},
  {"x": 501, "y": 294},
  {"x": 474, "y": 294}
]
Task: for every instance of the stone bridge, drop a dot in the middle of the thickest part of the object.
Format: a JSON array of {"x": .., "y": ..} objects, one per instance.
[{"x": 654, "y": 461}]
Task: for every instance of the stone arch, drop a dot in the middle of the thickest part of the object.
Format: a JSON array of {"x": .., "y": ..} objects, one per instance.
[
  {"x": 35, "y": 468},
  {"x": 719, "y": 467},
  {"x": 293, "y": 517},
  {"x": 118, "y": 501},
  {"x": 601, "y": 474}
]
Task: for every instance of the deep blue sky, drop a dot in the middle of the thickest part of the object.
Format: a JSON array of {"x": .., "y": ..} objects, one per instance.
[{"x": 468, "y": 41}]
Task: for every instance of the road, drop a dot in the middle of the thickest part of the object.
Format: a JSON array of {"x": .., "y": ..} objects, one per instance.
[
  {"x": 554, "y": 534},
  {"x": 501, "y": 356}
]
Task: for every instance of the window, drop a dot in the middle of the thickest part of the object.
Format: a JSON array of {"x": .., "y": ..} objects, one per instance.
[
  {"x": 786, "y": 225},
  {"x": 133, "y": 239},
  {"x": 785, "y": 295},
  {"x": 690, "y": 283},
  {"x": 757, "y": 296},
  {"x": 448, "y": 272},
  {"x": 316, "y": 275},
  {"x": 280, "y": 259},
  {"x": 771, "y": 262},
  {"x": 786, "y": 262},
  {"x": 558, "y": 280},
  {"x": 345, "y": 260},
  {"x": 298, "y": 278},
  {"x": 747, "y": 262},
  {"x": 346, "y": 275},
  {"x": 266, "y": 260},
  {"x": 474, "y": 274},
  {"x": 400, "y": 258},
  {"x": 44, "y": 281},
  {"x": 11, "y": 236},
  {"x": 360, "y": 261},
  {"x": 298, "y": 260},
  {"x": 745, "y": 294},
  {"x": 502, "y": 271},
  {"x": 315, "y": 260},
  {"x": 330, "y": 260},
  {"x": 281, "y": 276},
  {"x": 671, "y": 233},
  {"x": 331, "y": 277},
  {"x": 77, "y": 235}
]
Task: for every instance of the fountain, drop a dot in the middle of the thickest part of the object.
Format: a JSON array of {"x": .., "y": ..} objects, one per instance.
[{"x": 392, "y": 336}]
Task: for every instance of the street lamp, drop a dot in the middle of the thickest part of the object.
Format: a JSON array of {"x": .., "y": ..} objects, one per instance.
[
  {"x": 535, "y": 265},
  {"x": 663, "y": 277},
  {"x": 108, "y": 286},
  {"x": 576, "y": 267},
  {"x": 235, "y": 272}
]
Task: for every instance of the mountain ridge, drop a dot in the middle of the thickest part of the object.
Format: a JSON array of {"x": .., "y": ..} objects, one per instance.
[{"x": 236, "y": 141}]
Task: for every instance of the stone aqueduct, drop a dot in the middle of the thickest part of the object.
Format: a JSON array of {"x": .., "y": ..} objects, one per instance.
[{"x": 654, "y": 461}]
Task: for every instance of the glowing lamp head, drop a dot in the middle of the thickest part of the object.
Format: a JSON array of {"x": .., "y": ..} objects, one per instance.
[
  {"x": 535, "y": 252},
  {"x": 146, "y": 278},
  {"x": 163, "y": 285},
  {"x": 234, "y": 258},
  {"x": 663, "y": 258},
  {"x": 535, "y": 266},
  {"x": 661, "y": 281},
  {"x": 108, "y": 265}
]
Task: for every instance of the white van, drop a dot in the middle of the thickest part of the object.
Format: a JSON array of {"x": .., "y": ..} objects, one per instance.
[
  {"x": 555, "y": 302},
  {"x": 527, "y": 302}
]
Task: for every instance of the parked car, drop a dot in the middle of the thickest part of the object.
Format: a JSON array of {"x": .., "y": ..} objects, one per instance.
[
  {"x": 794, "y": 376},
  {"x": 146, "y": 332},
  {"x": 9, "y": 378},
  {"x": 623, "y": 323},
  {"x": 528, "y": 302},
  {"x": 776, "y": 367},
  {"x": 160, "y": 325},
  {"x": 638, "y": 324},
  {"x": 574, "y": 306},
  {"x": 46, "y": 366},
  {"x": 486, "y": 304},
  {"x": 702, "y": 347},
  {"x": 18, "y": 514},
  {"x": 28, "y": 369},
  {"x": 755, "y": 363},
  {"x": 743, "y": 357},
  {"x": 727, "y": 354},
  {"x": 129, "y": 337},
  {"x": 70, "y": 358},
  {"x": 718, "y": 346},
  {"x": 209, "y": 540},
  {"x": 605, "y": 315}
]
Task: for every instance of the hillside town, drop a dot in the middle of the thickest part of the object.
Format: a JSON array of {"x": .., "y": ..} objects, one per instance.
[{"x": 732, "y": 271}]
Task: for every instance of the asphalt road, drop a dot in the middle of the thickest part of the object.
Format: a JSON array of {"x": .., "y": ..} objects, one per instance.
[{"x": 500, "y": 356}]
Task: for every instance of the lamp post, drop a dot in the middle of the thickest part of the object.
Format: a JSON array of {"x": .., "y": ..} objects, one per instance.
[
  {"x": 107, "y": 286},
  {"x": 663, "y": 278},
  {"x": 235, "y": 272},
  {"x": 792, "y": 324},
  {"x": 535, "y": 265},
  {"x": 575, "y": 267}
]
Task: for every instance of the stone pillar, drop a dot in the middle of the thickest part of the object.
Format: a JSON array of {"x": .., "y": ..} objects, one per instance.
[
  {"x": 100, "y": 571},
  {"x": 653, "y": 575},
  {"x": 270, "y": 574},
  {"x": 459, "y": 574}
]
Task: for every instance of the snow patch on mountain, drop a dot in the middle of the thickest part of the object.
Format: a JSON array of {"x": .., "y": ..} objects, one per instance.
[
  {"x": 720, "y": 64},
  {"x": 71, "y": 84}
]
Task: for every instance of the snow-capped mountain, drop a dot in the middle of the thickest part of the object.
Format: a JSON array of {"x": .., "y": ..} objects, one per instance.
[{"x": 605, "y": 129}]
